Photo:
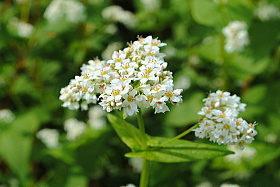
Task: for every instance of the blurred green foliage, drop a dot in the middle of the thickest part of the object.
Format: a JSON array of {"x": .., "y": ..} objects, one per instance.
[{"x": 34, "y": 67}]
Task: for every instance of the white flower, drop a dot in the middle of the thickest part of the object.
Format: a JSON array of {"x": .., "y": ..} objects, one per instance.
[
  {"x": 229, "y": 185},
  {"x": 49, "y": 137},
  {"x": 247, "y": 154},
  {"x": 267, "y": 12},
  {"x": 70, "y": 10},
  {"x": 136, "y": 164},
  {"x": 236, "y": 36},
  {"x": 6, "y": 116},
  {"x": 219, "y": 120},
  {"x": 23, "y": 29},
  {"x": 118, "y": 14},
  {"x": 151, "y": 5},
  {"x": 96, "y": 117},
  {"x": 134, "y": 77},
  {"x": 74, "y": 128}
]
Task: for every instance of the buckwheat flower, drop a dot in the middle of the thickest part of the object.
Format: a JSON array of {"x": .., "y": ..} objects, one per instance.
[
  {"x": 70, "y": 10},
  {"x": 266, "y": 12},
  {"x": 49, "y": 137},
  {"x": 136, "y": 164},
  {"x": 151, "y": 5},
  {"x": 236, "y": 36},
  {"x": 134, "y": 77},
  {"x": 219, "y": 120},
  {"x": 247, "y": 154},
  {"x": 74, "y": 128},
  {"x": 118, "y": 14},
  {"x": 96, "y": 117},
  {"x": 23, "y": 29},
  {"x": 6, "y": 116},
  {"x": 229, "y": 185}
]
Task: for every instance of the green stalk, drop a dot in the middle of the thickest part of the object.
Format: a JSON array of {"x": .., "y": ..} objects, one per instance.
[
  {"x": 146, "y": 163},
  {"x": 178, "y": 136}
]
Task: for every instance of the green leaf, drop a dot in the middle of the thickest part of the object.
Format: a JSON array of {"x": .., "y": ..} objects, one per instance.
[
  {"x": 207, "y": 13},
  {"x": 16, "y": 143},
  {"x": 129, "y": 134},
  {"x": 179, "y": 151}
]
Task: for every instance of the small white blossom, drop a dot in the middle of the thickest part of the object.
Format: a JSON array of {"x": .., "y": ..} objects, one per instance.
[
  {"x": 229, "y": 185},
  {"x": 70, "y": 10},
  {"x": 236, "y": 36},
  {"x": 219, "y": 120},
  {"x": 49, "y": 137},
  {"x": 6, "y": 116},
  {"x": 151, "y": 5},
  {"x": 247, "y": 154},
  {"x": 23, "y": 29},
  {"x": 96, "y": 117},
  {"x": 136, "y": 164},
  {"x": 118, "y": 14},
  {"x": 74, "y": 128},
  {"x": 266, "y": 12},
  {"x": 134, "y": 77}
]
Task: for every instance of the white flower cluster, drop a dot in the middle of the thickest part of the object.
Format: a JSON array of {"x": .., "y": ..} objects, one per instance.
[
  {"x": 135, "y": 77},
  {"x": 73, "y": 11},
  {"x": 96, "y": 118},
  {"x": 247, "y": 154},
  {"x": 22, "y": 29},
  {"x": 219, "y": 120},
  {"x": 267, "y": 12},
  {"x": 74, "y": 128},
  {"x": 118, "y": 14},
  {"x": 49, "y": 137},
  {"x": 236, "y": 36},
  {"x": 6, "y": 116}
]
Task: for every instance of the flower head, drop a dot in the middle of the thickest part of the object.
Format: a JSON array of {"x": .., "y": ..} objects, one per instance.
[
  {"x": 219, "y": 120},
  {"x": 134, "y": 77},
  {"x": 236, "y": 36},
  {"x": 49, "y": 137}
]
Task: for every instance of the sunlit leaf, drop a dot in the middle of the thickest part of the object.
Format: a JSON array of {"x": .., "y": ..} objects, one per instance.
[{"x": 179, "y": 151}]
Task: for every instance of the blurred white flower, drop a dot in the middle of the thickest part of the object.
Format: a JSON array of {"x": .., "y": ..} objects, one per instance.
[
  {"x": 236, "y": 36},
  {"x": 229, "y": 185},
  {"x": 136, "y": 164},
  {"x": 6, "y": 116},
  {"x": 266, "y": 12},
  {"x": 118, "y": 14},
  {"x": 247, "y": 154},
  {"x": 219, "y": 120},
  {"x": 151, "y": 5},
  {"x": 271, "y": 138},
  {"x": 71, "y": 10},
  {"x": 49, "y": 137},
  {"x": 23, "y": 29},
  {"x": 107, "y": 53},
  {"x": 96, "y": 117},
  {"x": 182, "y": 82},
  {"x": 74, "y": 128},
  {"x": 204, "y": 184}
]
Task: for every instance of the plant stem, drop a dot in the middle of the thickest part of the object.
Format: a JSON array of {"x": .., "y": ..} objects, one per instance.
[
  {"x": 145, "y": 173},
  {"x": 146, "y": 163},
  {"x": 179, "y": 136},
  {"x": 142, "y": 129}
]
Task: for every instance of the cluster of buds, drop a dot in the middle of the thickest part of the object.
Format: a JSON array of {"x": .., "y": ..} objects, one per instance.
[
  {"x": 220, "y": 122},
  {"x": 134, "y": 77}
]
